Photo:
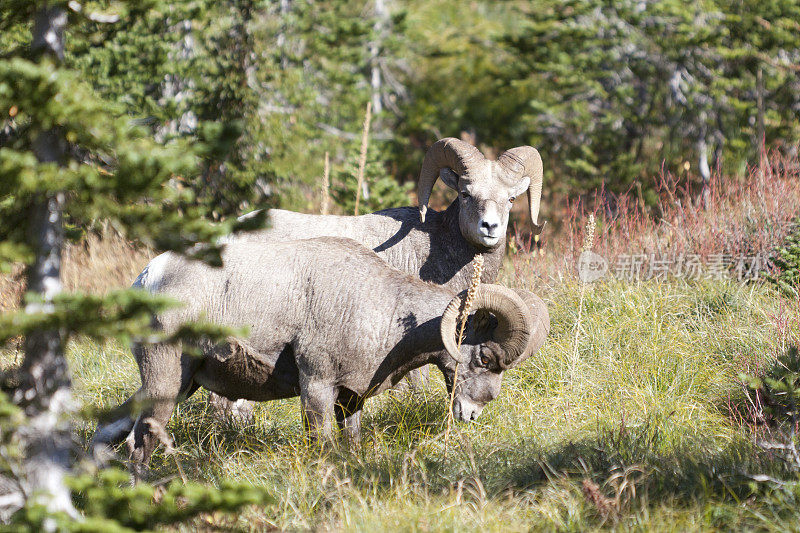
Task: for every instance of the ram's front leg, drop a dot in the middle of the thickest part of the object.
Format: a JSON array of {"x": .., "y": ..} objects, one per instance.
[{"x": 318, "y": 399}]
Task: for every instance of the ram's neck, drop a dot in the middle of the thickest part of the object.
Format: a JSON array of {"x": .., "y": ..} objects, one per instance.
[
  {"x": 414, "y": 336},
  {"x": 493, "y": 261},
  {"x": 464, "y": 252}
]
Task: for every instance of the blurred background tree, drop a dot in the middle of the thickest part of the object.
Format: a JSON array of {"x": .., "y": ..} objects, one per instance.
[
  {"x": 615, "y": 88},
  {"x": 68, "y": 159},
  {"x": 608, "y": 91}
]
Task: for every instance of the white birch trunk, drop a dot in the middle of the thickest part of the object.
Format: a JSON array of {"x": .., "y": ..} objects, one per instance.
[
  {"x": 45, "y": 392},
  {"x": 381, "y": 17}
]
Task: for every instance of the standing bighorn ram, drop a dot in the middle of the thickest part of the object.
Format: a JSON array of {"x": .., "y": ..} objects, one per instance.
[
  {"x": 436, "y": 246},
  {"x": 329, "y": 321}
]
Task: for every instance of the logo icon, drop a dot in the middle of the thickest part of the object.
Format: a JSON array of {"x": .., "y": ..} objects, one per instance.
[{"x": 591, "y": 266}]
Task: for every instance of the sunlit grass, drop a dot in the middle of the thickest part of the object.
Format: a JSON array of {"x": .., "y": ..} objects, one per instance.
[{"x": 648, "y": 403}]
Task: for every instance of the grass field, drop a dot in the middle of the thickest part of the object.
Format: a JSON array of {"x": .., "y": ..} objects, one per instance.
[
  {"x": 646, "y": 426},
  {"x": 632, "y": 417}
]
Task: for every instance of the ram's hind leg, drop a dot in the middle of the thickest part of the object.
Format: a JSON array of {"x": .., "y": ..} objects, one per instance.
[
  {"x": 167, "y": 378},
  {"x": 239, "y": 411},
  {"x": 348, "y": 416}
]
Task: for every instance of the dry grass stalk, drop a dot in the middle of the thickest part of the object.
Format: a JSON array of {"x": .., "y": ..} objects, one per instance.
[
  {"x": 623, "y": 483},
  {"x": 101, "y": 262},
  {"x": 605, "y": 506},
  {"x": 326, "y": 185},
  {"x": 475, "y": 281},
  {"x": 169, "y": 449},
  {"x": 362, "y": 160},
  {"x": 588, "y": 242},
  {"x": 477, "y": 272}
]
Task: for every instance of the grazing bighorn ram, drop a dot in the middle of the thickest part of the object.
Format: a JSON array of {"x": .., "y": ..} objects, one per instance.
[
  {"x": 329, "y": 321},
  {"x": 436, "y": 246}
]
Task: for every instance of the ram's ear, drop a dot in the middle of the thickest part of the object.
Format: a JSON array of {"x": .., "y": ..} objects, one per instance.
[
  {"x": 521, "y": 186},
  {"x": 449, "y": 178},
  {"x": 483, "y": 323}
]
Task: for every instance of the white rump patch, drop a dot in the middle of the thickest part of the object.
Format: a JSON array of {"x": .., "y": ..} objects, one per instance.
[{"x": 153, "y": 273}]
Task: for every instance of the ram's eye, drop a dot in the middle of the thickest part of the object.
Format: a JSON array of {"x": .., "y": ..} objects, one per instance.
[
  {"x": 511, "y": 200},
  {"x": 464, "y": 194},
  {"x": 484, "y": 360}
]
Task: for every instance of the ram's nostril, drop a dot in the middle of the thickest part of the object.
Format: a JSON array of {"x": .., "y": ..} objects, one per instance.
[{"x": 489, "y": 226}]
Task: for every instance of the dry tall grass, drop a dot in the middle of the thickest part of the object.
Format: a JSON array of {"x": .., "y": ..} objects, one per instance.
[
  {"x": 12, "y": 287},
  {"x": 745, "y": 216},
  {"x": 99, "y": 262}
]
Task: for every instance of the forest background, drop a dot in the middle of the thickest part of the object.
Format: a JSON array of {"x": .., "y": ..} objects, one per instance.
[{"x": 611, "y": 93}]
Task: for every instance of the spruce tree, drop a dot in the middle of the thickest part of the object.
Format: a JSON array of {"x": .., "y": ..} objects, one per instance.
[
  {"x": 383, "y": 191},
  {"x": 68, "y": 158},
  {"x": 612, "y": 89}
]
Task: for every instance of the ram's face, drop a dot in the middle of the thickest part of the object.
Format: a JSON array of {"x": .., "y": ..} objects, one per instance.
[
  {"x": 508, "y": 325},
  {"x": 485, "y": 198},
  {"x": 479, "y": 375},
  {"x": 478, "y": 381},
  {"x": 486, "y": 188}
]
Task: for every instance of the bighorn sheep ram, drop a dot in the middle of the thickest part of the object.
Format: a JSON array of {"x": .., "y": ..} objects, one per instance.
[
  {"x": 329, "y": 321},
  {"x": 435, "y": 246}
]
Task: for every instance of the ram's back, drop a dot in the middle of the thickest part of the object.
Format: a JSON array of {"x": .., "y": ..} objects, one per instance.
[
  {"x": 432, "y": 251},
  {"x": 282, "y": 290}
]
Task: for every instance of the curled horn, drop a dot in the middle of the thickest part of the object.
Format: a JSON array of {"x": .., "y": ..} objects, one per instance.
[
  {"x": 541, "y": 322},
  {"x": 451, "y": 153},
  {"x": 526, "y": 161},
  {"x": 514, "y": 321}
]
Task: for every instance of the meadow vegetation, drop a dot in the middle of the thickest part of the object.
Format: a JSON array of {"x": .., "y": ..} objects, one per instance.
[
  {"x": 654, "y": 425},
  {"x": 651, "y": 426}
]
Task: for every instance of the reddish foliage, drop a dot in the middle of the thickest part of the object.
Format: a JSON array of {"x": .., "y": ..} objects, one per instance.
[{"x": 747, "y": 215}]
